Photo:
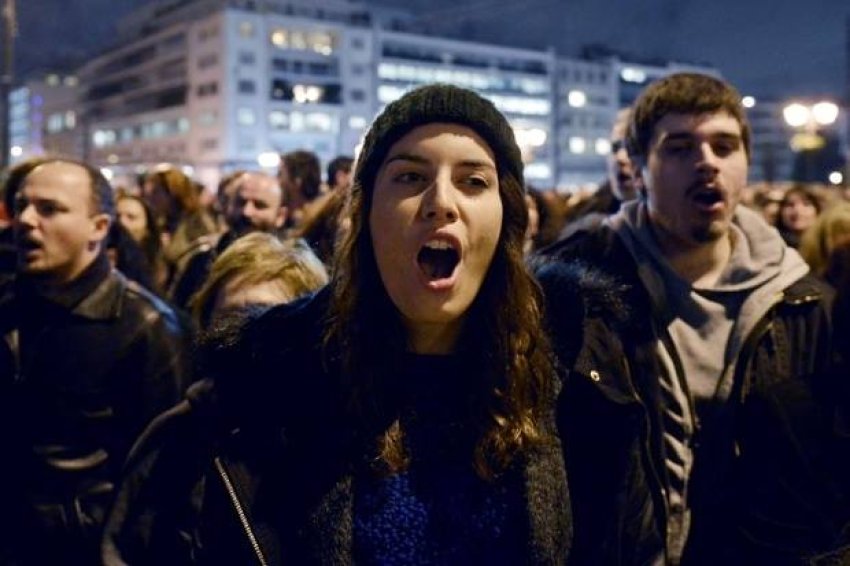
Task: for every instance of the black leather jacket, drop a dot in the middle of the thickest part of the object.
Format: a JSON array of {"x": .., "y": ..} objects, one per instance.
[
  {"x": 78, "y": 386},
  {"x": 780, "y": 495}
]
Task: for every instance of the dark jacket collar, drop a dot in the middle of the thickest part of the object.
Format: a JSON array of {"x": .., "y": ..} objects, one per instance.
[{"x": 68, "y": 295}]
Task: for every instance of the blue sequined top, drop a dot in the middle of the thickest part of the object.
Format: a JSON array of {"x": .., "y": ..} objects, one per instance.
[{"x": 438, "y": 511}]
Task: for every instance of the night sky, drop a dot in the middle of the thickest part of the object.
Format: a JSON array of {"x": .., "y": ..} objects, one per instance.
[{"x": 768, "y": 48}]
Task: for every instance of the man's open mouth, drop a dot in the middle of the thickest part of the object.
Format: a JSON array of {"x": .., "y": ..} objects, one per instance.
[
  {"x": 437, "y": 259},
  {"x": 708, "y": 196}
]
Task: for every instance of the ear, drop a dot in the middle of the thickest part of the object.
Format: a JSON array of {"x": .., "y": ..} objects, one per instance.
[{"x": 100, "y": 227}]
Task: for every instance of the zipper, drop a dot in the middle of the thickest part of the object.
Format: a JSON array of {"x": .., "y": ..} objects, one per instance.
[
  {"x": 240, "y": 512},
  {"x": 648, "y": 456}
]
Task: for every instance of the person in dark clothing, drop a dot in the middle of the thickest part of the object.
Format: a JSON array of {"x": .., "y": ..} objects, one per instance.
[
  {"x": 136, "y": 216},
  {"x": 703, "y": 422},
  {"x": 300, "y": 178},
  {"x": 88, "y": 358},
  {"x": 255, "y": 203},
  {"x": 128, "y": 257},
  {"x": 338, "y": 174},
  {"x": 403, "y": 414},
  {"x": 621, "y": 184}
]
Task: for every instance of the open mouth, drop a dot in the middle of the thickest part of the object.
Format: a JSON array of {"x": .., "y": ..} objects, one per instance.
[
  {"x": 708, "y": 197},
  {"x": 437, "y": 259},
  {"x": 27, "y": 245}
]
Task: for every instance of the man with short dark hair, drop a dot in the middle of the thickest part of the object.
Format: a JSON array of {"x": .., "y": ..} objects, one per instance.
[
  {"x": 704, "y": 419},
  {"x": 339, "y": 172},
  {"x": 254, "y": 202},
  {"x": 300, "y": 178},
  {"x": 88, "y": 358}
]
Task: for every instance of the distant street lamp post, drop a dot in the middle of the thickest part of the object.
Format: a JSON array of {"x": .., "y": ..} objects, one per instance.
[
  {"x": 806, "y": 120},
  {"x": 10, "y": 31}
]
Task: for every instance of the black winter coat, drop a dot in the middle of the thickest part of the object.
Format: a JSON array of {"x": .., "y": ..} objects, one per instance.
[
  {"x": 258, "y": 468},
  {"x": 74, "y": 395},
  {"x": 781, "y": 494}
]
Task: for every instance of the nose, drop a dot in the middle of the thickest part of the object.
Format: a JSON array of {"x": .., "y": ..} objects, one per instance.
[
  {"x": 26, "y": 215},
  {"x": 438, "y": 201},
  {"x": 248, "y": 210},
  {"x": 707, "y": 160}
]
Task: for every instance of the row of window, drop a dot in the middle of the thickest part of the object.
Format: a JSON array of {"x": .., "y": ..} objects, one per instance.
[
  {"x": 471, "y": 79},
  {"x": 61, "y": 121},
  {"x": 584, "y": 75},
  {"x": 507, "y": 104},
  {"x": 579, "y": 145},
  {"x": 431, "y": 55},
  {"x": 322, "y": 42},
  {"x": 146, "y": 131}
]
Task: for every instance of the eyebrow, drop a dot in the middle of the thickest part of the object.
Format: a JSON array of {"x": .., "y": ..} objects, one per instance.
[
  {"x": 412, "y": 157},
  {"x": 677, "y": 136}
]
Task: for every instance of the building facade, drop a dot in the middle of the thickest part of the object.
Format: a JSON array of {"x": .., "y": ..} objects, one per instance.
[{"x": 216, "y": 85}]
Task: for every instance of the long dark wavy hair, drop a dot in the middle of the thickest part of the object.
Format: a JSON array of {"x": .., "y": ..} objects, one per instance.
[{"x": 365, "y": 337}]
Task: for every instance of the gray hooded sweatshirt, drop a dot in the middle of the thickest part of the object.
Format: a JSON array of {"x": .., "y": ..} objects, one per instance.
[{"x": 706, "y": 329}]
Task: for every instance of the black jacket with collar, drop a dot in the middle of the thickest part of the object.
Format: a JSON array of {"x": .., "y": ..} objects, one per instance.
[
  {"x": 782, "y": 493},
  {"x": 79, "y": 384},
  {"x": 260, "y": 469}
]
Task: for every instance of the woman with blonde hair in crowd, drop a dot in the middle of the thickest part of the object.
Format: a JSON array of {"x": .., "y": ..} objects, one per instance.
[
  {"x": 405, "y": 414},
  {"x": 822, "y": 244},
  {"x": 257, "y": 270}
]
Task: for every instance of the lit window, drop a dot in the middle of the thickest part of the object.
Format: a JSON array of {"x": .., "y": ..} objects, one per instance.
[
  {"x": 246, "y": 116},
  {"x": 319, "y": 122},
  {"x": 577, "y": 145},
  {"x": 603, "y": 146},
  {"x": 246, "y": 29},
  {"x": 530, "y": 137},
  {"x": 307, "y": 93},
  {"x": 52, "y": 80},
  {"x": 280, "y": 38},
  {"x": 70, "y": 119},
  {"x": 278, "y": 120},
  {"x": 537, "y": 171},
  {"x": 298, "y": 40},
  {"x": 321, "y": 42},
  {"x": 356, "y": 122},
  {"x": 632, "y": 75},
  {"x": 576, "y": 98},
  {"x": 71, "y": 81},
  {"x": 54, "y": 123}
]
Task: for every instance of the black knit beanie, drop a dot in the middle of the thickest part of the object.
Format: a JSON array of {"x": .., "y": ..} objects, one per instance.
[{"x": 437, "y": 103}]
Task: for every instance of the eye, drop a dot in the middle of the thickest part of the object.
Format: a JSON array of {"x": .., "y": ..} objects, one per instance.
[
  {"x": 726, "y": 147},
  {"x": 408, "y": 177},
  {"x": 678, "y": 148},
  {"x": 47, "y": 208},
  {"x": 477, "y": 181}
]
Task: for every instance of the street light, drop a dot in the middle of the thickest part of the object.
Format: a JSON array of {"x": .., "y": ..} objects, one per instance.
[{"x": 807, "y": 120}]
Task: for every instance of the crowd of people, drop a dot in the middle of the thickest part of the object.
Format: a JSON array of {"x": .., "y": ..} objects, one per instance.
[{"x": 422, "y": 360}]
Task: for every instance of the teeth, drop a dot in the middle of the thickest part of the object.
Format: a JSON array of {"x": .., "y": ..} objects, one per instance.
[{"x": 438, "y": 245}]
